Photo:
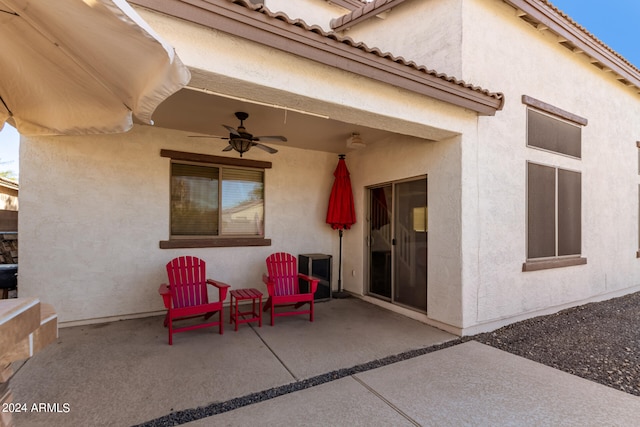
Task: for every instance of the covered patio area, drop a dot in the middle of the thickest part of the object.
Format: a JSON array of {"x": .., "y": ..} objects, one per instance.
[
  {"x": 124, "y": 373},
  {"x": 356, "y": 364},
  {"x": 413, "y": 122}
]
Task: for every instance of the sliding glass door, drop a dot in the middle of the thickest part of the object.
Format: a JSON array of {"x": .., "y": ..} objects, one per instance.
[{"x": 397, "y": 242}]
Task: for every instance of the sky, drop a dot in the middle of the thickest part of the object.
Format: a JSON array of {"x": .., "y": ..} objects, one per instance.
[
  {"x": 615, "y": 22},
  {"x": 9, "y": 147}
]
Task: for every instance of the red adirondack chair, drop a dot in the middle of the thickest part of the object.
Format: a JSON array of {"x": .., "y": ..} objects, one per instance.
[
  {"x": 283, "y": 286},
  {"x": 185, "y": 296}
]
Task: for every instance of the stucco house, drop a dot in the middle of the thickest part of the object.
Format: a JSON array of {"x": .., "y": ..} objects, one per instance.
[
  {"x": 8, "y": 194},
  {"x": 499, "y": 178}
]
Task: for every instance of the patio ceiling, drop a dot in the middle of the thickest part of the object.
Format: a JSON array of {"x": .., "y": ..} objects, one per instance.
[{"x": 203, "y": 113}]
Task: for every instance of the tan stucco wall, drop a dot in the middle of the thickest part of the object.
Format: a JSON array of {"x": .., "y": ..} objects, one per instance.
[
  {"x": 388, "y": 161},
  {"x": 484, "y": 42},
  {"x": 9, "y": 200},
  {"x": 428, "y": 32},
  {"x": 97, "y": 207},
  {"x": 91, "y": 247},
  {"x": 504, "y": 53}
]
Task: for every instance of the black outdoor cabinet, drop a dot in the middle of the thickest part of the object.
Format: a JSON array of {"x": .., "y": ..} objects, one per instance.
[{"x": 316, "y": 265}]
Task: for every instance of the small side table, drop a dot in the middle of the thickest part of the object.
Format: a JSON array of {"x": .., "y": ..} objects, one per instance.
[{"x": 241, "y": 295}]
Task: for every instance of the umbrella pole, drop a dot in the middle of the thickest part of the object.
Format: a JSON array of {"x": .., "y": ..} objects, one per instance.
[{"x": 340, "y": 293}]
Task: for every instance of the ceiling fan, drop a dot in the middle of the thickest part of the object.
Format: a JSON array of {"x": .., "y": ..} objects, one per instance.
[{"x": 242, "y": 141}]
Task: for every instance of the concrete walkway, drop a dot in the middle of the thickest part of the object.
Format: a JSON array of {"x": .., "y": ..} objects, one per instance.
[
  {"x": 466, "y": 385},
  {"x": 124, "y": 373}
]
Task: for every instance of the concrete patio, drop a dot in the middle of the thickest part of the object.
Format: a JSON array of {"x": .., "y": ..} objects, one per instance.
[{"x": 124, "y": 373}]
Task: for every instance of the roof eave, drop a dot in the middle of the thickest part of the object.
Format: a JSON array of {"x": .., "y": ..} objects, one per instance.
[
  {"x": 296, "y": 37},
  {"x": 365, "y": 12},
  {"x": 546, "y": 18},
  {"x": 347, "y": 4}
]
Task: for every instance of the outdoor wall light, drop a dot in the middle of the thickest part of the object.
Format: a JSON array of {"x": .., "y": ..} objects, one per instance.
[{"x": 355, "y": 141}]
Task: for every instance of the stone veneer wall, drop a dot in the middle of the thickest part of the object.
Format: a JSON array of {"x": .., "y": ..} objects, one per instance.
[{"x": 8, "y": 248}]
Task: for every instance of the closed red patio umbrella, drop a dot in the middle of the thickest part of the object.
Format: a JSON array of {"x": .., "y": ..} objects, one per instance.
[{"x": 341, "y": 213}]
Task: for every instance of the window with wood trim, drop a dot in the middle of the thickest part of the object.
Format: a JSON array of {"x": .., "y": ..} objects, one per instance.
[
  {"x": 554, "y": 212},
  {"x": 215, "y": 201},
  {"x": 554, "y": 194}
]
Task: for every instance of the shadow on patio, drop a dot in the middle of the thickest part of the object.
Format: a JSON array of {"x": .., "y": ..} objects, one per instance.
[{"x": 124, "y": 373}]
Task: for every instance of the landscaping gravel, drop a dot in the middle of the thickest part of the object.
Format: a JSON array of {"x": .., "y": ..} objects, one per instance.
[{"x": 598, "y": 341}]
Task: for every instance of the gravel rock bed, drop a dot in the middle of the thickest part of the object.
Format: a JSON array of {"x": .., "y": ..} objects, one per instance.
[{"x": 598, "y": 341}]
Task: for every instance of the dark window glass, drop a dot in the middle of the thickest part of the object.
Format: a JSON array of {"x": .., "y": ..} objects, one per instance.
[
  {"x": 214, "y": 201},
  {"x": 553, "y": 134},
  {"x": 194, "y": 200},
  {"x": 569, "y": 212},
  {"x": 541, "y": 185},
  {"x": 553, "y": 211}
]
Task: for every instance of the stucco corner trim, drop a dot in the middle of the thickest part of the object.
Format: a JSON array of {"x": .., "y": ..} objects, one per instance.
[
  {"x": 553, "y": 110},
  {"x": 554, "y": 263}
]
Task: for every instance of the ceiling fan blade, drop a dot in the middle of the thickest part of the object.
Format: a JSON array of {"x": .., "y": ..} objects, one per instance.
[
  {"x": 208, "y": 136},
  {"x": 270, "y": 138},
  {"x": 265, "y": 148},
  {"x": 227, "y": 148},
  {"x": 232, "y": 130}
]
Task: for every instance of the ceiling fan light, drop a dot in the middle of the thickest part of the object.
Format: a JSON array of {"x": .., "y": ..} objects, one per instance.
[
  {"x": 355, "y": 141},
  {"x": 241, "y": 145}
]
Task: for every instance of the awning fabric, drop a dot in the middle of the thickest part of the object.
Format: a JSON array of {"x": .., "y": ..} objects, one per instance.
[{"x": 81, "y": 67}]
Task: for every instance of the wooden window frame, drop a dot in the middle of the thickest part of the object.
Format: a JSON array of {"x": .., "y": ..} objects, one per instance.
[{"x": 213, "y": 242}]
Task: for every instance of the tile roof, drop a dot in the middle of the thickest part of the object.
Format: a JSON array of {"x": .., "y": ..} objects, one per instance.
[
  {"x": 9, "y": 183},
  {"x": 345, "y": 40},
  {"x": 277, "y": 30},
  {"x": 348, "y": 4},
  {"x": 365, "y": 12},
  {"x": 611, "y": 61}
]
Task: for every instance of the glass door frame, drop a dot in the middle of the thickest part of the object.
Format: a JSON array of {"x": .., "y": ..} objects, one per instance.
[{"x": 391, "y": 262}]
